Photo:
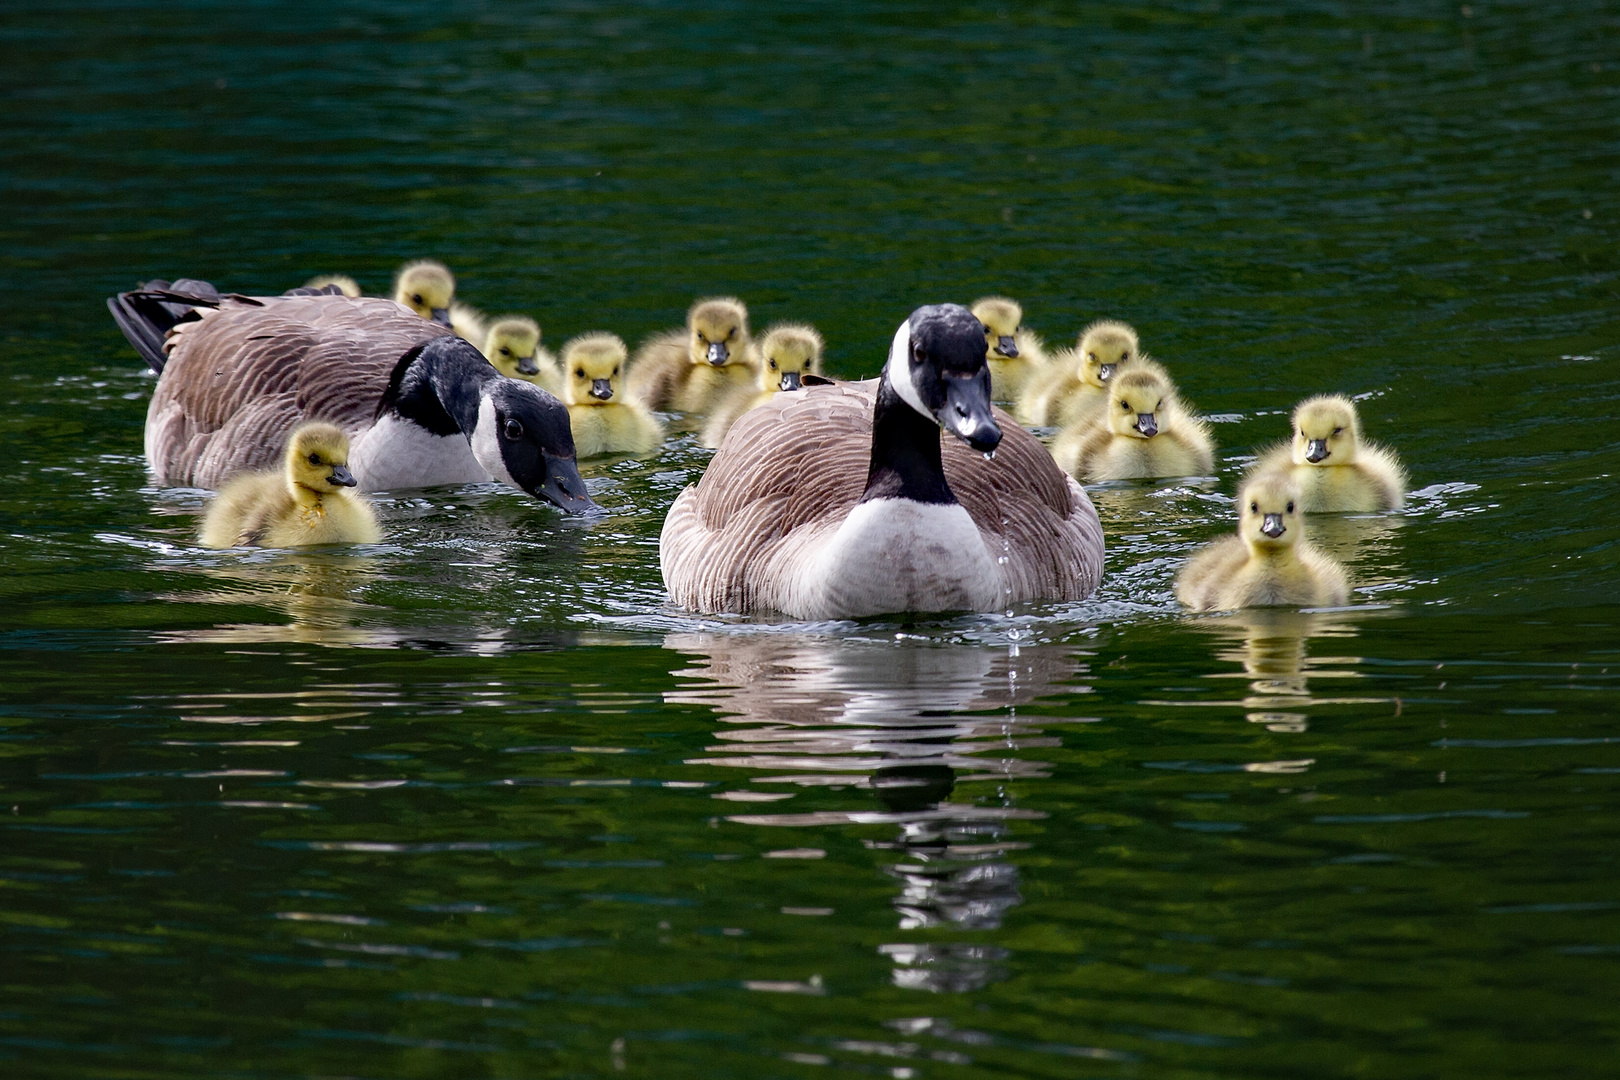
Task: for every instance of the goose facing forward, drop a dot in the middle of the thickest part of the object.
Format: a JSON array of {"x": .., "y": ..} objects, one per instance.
[
  {"x": 420, "y": 406},
  {"x": 1336, "y": 469},
  {"x": 839, "y": 501}
]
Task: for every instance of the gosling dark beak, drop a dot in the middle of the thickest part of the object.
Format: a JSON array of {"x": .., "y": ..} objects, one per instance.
[
  {"x": 1273, "y": 526},
  {"x": 790, "y": 380},
  {"x": 565, "y": 488},
  {"x": 1006, "y": 346},
  {"x": 441, "y": 316},
  {"x": 1105, "y": 372},
  {"x": 1147, "y": 425},
  {"x": 967, "y": 412},
  {"x": 718, "y": 353},
  {"x": 1316, "y": 450},
  {"x": 341, "y": 476},
  {"x": 601, "y": 389},
  {"x": 527, "y": 366}
]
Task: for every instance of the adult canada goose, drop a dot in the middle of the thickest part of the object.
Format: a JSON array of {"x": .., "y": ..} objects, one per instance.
[
  {"x": 428, "y": 288},
  {"x": 1269, "y": 563},
  {"x": 420, "y": 406},
  {"x": 1015, "y": 354},
  {"x": 837, "y": 502},
  {"x": 787, "y": 353},
  {"x": 604, "y": 420},
  {"x": 693, "y": 369},
  {"x": 1336, "y": 470},
  {"x": 306, "y": 502},
  {"x": 1074, "y": 383},
  {"x": 512, "y": 344},
  {"x": 1146, "y": 431}
]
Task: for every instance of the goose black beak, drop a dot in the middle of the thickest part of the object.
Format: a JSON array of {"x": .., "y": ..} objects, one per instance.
[
  {"x": 441, "y": 316},
  {"x": 790, "y": 380},
  {"x": 341, "y": 476},
  {"x": 565, "y": 488},
  {"x": 1006, "y": 346},
  {"x": 1105, "y": 372},
  {"x": 1316, "y": 451},
  {"x": 1147, "y": 425},
  {"x": 601, "y": 389},
  {"x": 718, "y": 353},
  {"x": 527, "y": 366},
  {"x": 967, "y": 412},
  {"x": 1273, "y": 526}
]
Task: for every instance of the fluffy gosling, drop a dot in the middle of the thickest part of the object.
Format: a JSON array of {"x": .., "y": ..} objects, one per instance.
[
  {"x": 694, "y": 369},
  {"x": 788, "y": 352},
  {"x": 1015, "y": 355},
  {"x": 1074, "y": 383},
  {"x": 1145, "y": 431},
  {"x": 512, "y": 344},
  {"x": 1269, "y": 563},
  {"x": 308, "y": 502},
  {"x": 346, "y": 284},
  {"x": 1336, "y": 470},
  {"x": 604, "y": 419},
  {"x": 428, "y": 288}
]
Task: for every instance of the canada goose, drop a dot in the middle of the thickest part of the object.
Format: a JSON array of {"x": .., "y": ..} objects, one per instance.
[
  {"x": 837, "y": 502},
  {"x": 692, "y": 370},
  {"x": 1269, "y": 563},
  {"x": 1334, "y": 468},
  {"x": 1074, "y": 383},
  {"x": 603, "y": 419},
  {"x": 512, "y": 344},
  {"x": 787, "y": 353},
  {"x": 427, "y": 287},
  {"x": 1015, "y": 354},
  {"x": 307, "y": 502},
  {"x": 345, "y": 284},
  {"x": 1145, "y": 432},
  {"x": 419, "y": 405}
]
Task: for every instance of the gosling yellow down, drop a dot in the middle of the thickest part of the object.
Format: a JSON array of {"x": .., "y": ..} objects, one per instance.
[
  {"x": 426, "y": 287},
  {"x": 1336, "y": 469},
  {"x": 1145, "y": 431},
  {"x": 1015, "y": 355},
  {"x": 512, "y": 344},
  {"x": 694, "y": 369},
  {"x": 308, "y": 502},
  {"x": 1269, "y": 563},
  {"x": 604, "y": 420},
  {"x": 346, "y": 284},
  {"x": 788, "y": 352},
  {"x": 1074, "y": 383}
]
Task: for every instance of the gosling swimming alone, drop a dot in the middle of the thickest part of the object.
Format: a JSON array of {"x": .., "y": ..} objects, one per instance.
[
  {"x": 1336, "y": 470},
  {"x": 1144, "y": 432},
  {"x": 788, "y": 352},
  {"x": 1074, "y": 383},
  {"x": 694, "y": 369},
  {"x": 1269, "y": 563},
  {"x": 604, "y": 420},
  {"x": 307, "y": 502},
  {"x": 1015, "y": 355}
]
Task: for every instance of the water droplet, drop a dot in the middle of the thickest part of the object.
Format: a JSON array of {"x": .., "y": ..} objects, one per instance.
[{"x": 989, "y": 455}]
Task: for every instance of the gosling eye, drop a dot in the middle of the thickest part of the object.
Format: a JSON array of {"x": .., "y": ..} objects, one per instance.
[
  {"x": 579, "y": 373},
  {"x": 505, "y": 351},
  {"x": 615, "y": 374},
  {"x": 1124, "y": 356},
  {"x": 514, "y": 430},
  {"x": 416, "y": 298},
  {"x": 731, "y": 333},
  {"x": 1125, "y": 405},
  {"x": 773, "y": 365},
  {"x": 1290, "y": 508},
  {"x": 1092, "y": 357},
  {"x": 1338, "y": 431},
  {"x": 314, "y": 459},
  {"x": 1254, "y": 508}
]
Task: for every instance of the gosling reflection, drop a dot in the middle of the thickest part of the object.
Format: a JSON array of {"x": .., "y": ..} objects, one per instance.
[
  {"x": 1273, "y": 645},
  {"x": 894, "y": 720},
  {"x": 319, "y": 596}
]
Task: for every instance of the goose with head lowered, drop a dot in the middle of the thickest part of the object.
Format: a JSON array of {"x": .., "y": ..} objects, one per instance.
[
  {"x": 839, "y": 501},
  {"x": 420, "y": 406}
]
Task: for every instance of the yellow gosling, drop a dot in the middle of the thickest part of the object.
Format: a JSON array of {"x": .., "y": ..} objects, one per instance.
[
  {"x": 346, "y": 284},
  {"x": 788, "y": 352},
  {"x": 1145, "y": 431},
  {"x": 427, "y": 288},
  {"x": 1335, "y": 468},
  {"x": 1269, "y": 563},
  {"x": 694, "y": 369},
  {"x": 307, "y": 503},
  {"x": 1074, "y": 383},
  {"x": 1015, "y": 355},
  {"x": 512, "y": 344},
  {"x": 604, "y": 419}
]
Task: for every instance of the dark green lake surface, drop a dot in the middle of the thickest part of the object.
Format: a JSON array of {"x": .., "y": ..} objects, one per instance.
[{"x": 478, "y": 802}]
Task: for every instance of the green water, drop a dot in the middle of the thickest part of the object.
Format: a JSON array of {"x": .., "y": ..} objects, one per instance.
[{"x": 479, "y": 802}]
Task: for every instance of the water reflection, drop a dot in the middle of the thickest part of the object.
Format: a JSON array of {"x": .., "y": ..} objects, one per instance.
[
  {"x": 897, "y": 720},
  {"x": 320, "y": 595}
]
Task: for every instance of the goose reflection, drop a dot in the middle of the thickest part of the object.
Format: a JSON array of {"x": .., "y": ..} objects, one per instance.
[{"x": 909, "y": 723}]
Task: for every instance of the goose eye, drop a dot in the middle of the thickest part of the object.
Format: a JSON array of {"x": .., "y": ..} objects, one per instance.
[
  {"x": 579, "y": 373},
  {"x": 615, "y": 374},
  {"x": 1092, "y": 357},
  {"x": 1338, "y": 431},
  {"x": 514, "y": 430},
  {"x": 314, "y": 459},
  {"x": 1290, "y": 508},
  {"x": 1125, "y": 405},
  {"x": 505, "y": 351},
  {"x": 416, "y": 298},
  {"x": 1254, "y": 508},
  {"x": 1124, "y": 356},
  {"x": 773, "y": 365}
]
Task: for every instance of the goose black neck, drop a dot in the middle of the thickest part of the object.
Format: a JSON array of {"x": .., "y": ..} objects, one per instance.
[
  {"x": 438, "y": 385},
  {"x": 906, "y": 460}
]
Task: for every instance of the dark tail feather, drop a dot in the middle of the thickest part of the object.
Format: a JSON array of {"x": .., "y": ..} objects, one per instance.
[{"x": 150, "y": 312}]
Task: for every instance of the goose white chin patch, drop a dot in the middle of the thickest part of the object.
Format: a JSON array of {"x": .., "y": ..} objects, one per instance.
[
  {"x": 899, "y": 370},
  {"x": 486, "y": 443}
]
